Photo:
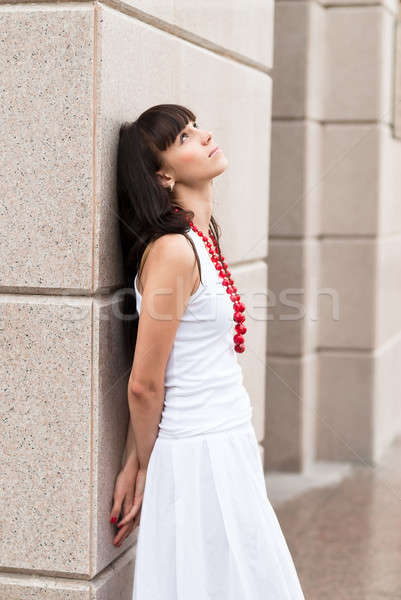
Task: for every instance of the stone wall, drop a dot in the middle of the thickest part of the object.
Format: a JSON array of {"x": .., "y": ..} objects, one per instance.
[{"x": 73, "y": 73}]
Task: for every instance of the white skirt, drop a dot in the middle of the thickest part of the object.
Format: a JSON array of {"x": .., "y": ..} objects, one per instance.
[{"x": 207, "y": 528}]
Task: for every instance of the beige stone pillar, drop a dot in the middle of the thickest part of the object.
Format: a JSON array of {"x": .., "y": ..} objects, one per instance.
[
  {"x": 335, "y": 234},
  {"x": 72, "y": 72}
]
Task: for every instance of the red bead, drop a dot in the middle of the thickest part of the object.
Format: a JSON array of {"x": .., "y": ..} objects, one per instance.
[
  {"x": 239, "y": 348},
  {"x": 239, "y": 317},
  {"x": 238, "y": 338},
  {"x": 240, "y": 327}
]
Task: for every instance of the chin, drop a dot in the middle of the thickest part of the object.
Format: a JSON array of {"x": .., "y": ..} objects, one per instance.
[{"x": 223, "y": 164}]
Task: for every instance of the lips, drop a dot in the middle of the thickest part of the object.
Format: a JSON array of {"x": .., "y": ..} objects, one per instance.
[{"x": 213, "y": 151}]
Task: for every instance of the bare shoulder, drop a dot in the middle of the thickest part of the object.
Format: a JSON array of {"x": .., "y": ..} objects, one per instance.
[
  {"x": 174, "y": 246},
  {"x": 169, "y": 255}
]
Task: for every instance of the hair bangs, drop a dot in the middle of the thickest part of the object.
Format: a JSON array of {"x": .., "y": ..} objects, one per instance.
[{"x": 163, "y": 123}]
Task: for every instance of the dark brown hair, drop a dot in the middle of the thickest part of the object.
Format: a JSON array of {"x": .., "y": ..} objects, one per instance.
[{"x": 148, "y": 210}]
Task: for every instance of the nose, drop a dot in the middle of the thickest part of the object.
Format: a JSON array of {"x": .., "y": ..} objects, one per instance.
[{"x": 207, "y": 137}]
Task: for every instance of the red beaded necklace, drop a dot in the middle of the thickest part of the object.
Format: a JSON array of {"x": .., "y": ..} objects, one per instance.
[{"x": 228, "y": 282}]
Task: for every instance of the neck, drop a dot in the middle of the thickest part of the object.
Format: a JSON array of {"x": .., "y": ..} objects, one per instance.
[{"x": 198, "y": 199}]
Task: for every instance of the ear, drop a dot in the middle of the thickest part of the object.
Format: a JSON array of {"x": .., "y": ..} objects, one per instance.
[{"x": 164, "y": 178}]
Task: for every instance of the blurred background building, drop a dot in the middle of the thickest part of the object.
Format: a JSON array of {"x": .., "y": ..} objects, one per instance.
[{"x": 334, "y": 384}]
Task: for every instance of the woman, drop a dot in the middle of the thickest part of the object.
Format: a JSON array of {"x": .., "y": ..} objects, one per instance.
[{"x": 207, "y": 529}]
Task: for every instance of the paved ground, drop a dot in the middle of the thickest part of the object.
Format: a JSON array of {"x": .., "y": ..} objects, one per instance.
[{"x": 345, "y": 538}]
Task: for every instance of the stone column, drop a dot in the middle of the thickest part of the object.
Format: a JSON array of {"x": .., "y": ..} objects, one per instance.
[{"x": 333, "y": 388}]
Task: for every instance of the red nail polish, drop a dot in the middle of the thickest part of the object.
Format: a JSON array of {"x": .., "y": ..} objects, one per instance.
[{"x": 113, "y": 519}]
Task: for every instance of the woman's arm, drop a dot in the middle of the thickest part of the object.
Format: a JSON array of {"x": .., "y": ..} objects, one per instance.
[
  {"x": 167, "y": 280},
  {"x": 130, "y": 458}
]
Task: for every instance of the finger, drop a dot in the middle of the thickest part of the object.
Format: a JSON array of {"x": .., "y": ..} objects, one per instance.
[
  {"x": 117, "y": 539},
  {"x": 122, "y": 534},
  {"x": 129, "y": 517},
  {"x": 132, "y": 511},
  {"x": 136, "y": 521},
  {"x": 116, "y": 509},
  {"x": 127, "y": 531},
  {"x": 131, "y": 514},
  {"x": 137, "y": 517},
  {"x": 128, "y": 503}
]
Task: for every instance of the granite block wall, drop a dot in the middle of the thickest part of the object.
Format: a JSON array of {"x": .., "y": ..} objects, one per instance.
[{"x": 73, "y": 73}]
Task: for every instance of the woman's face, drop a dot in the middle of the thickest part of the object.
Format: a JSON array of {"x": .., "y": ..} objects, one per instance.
[{"x": 187, "y": 160}]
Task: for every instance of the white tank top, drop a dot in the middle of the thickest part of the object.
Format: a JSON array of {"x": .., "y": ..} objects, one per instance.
[{"x": 204, "y": 389}]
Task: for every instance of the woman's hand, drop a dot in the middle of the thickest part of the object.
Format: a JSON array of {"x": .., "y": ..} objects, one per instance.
[
  {"x": 124, "y": 494},
  {"x": 132, "y": 516}
]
